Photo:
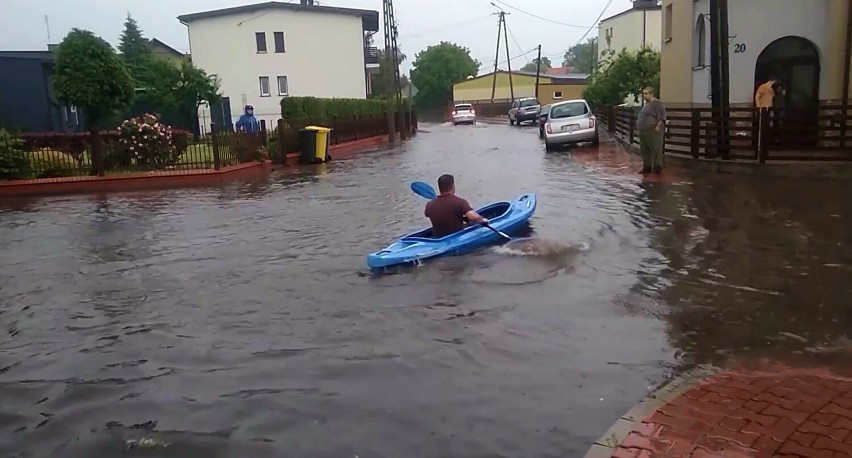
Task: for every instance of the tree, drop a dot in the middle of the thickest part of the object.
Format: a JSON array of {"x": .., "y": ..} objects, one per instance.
[
  {"x": 183, "y": 88},
  {"x": 89, "y": 75},
  {"x": 135, "y": 52},
  {"x": 382, "y": 82},
  {"x": 531, "y": 67},
  {"x": 582, "y": 56},
  {"x": 623, "y": 76},
  {"x": 437, "y": 68}
]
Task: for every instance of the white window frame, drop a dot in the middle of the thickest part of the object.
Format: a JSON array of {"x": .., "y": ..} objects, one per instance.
[
  {"x": 283, "y": 42},
  {"x": 260, "y": 81},
  {"x": 265, "y": 43},
  {"x": 557, "y": 97},
  {"x": 668, "y": 18},
  {"x": 286, "y": 90}
]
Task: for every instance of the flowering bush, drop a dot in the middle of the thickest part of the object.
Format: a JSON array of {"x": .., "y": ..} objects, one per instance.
[{"x": 148, "y": 141}]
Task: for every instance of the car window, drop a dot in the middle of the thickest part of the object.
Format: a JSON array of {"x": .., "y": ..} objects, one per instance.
[
  {"x": 568, "y": 110},
  {"x": 464, "y": 107},
  {"x": 529, "y": 102}
]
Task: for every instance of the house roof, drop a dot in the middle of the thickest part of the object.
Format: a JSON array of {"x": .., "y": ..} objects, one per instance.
[
  {"x": 639, "y": 5},
  {"x": 554, "y": 76},
  {"x": 156, "y": 42},
  {"x": 560, "y": 71},
  {"x": 570, "y": 78},
  {"x": 34, "y": 55},
  {"x": 370, "y": 18}
]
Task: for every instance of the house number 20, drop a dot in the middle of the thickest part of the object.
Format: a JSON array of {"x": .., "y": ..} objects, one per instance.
[{"x": 739, "y": 48}]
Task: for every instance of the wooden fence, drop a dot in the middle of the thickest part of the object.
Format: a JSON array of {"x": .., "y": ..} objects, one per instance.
[{"x": 818, "y": 133}]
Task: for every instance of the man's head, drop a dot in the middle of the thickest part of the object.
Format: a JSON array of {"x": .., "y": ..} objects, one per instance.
[
  {"x": 649, "y": 93},
  {"x": 446, "y": 184},
  {"x": 249, "y": 110}
]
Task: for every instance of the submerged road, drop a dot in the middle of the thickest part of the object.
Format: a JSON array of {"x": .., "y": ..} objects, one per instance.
[{"x": 239, "y": 321}]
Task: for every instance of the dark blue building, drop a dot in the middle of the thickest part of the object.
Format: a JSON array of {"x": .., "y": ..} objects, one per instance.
[{"x": 27, "y": 101}]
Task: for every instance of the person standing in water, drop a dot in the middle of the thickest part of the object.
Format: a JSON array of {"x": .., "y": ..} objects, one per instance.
[{"x": 651, "y": 122}]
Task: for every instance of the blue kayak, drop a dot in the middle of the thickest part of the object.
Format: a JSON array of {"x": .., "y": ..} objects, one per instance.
[{"x": 506, "y": 216}]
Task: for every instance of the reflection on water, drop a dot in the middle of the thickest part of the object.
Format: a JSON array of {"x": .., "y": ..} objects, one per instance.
[{"x": 239, "y": 321}]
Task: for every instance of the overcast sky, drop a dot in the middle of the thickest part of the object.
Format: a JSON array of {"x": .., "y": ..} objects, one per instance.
[{"x": 470, "y": 23}]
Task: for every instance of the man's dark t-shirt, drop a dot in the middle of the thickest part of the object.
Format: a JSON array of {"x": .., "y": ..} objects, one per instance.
[{"x": 447, "y": 213}]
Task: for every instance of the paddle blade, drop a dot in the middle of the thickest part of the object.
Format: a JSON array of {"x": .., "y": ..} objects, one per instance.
[{"x": 423, "y": 190}]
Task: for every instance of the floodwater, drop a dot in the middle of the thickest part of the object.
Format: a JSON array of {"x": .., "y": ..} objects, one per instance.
[{"x": 239, "y": 320}]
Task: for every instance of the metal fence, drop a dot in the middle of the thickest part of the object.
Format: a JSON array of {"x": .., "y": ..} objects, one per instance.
[{"x": 53, "y": 155}]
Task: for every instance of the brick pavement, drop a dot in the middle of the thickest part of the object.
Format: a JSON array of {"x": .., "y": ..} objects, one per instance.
[{"x": 771, "y": 412}]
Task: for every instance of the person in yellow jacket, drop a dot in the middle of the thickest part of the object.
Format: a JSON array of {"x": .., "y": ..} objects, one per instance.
[{"x": 764, "y": 101}]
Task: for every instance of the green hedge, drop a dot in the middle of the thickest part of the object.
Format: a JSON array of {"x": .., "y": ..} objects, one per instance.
[{"x": 302, "y": 111}]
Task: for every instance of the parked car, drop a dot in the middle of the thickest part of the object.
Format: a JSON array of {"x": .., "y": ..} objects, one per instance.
[
  {"x": 525, "y": 109},
  {"x": 463, "y": 113},
  {"x": 542, "y": 119},
  {"x": 570, "y": 122}
]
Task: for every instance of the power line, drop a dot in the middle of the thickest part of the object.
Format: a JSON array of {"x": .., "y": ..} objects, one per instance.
[
  {"x": 446, "y": 26},
  {"x": 523, "y": 54},
  {"x": 594, "y": 24},
  {"x": 539, "y": 17},
  {"x": 517, "y": 45}
]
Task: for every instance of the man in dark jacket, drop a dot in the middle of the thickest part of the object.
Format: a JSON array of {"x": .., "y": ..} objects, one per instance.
[{"x": 247, "y": 122}]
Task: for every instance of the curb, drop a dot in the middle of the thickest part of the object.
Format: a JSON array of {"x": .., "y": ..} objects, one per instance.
[{"x": 609, "y": 442}]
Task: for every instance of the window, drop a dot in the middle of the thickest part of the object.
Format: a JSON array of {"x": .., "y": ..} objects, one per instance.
[
  {"x": 529, "y": 103},
  {"x": 264, "y": 86},
  {"x": 667, "y": 25},
  {"x": 568, "y": 110},
  {"x": 557, "y": 95},
  {"x": 282, "y": 85},
  {"x": 260, "y": 38},
  {"x": 700, "y": 42},
  {"x": 279, "y": 41}
]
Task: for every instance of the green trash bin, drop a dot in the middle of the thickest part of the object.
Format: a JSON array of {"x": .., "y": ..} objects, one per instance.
[{"x": 315, "y": 141}]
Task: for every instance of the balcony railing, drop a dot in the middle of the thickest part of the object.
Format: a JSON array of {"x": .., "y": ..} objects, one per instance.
[{"x": 371, "y": 55}]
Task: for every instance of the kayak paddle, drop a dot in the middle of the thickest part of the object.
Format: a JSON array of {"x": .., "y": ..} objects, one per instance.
[
  {"x": 428, "y": 192},
  {"x": 423, "y": 190}
]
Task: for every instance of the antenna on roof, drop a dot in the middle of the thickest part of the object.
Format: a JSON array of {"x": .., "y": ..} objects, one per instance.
[{"x": 47, "y": 25}]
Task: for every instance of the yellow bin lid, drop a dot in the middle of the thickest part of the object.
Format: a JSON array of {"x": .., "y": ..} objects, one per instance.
[{"x": 318, "y": 128}]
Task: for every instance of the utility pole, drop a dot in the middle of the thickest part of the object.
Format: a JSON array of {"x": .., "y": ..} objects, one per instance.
[
  {"x": 537, "y": 70},
  {"x": 496, "y": 59},
  {"x": 392, "y": 50},
  {"x": 720, "y": 74},
  {"x": 502, "y": 31},
  {"x": 508, "y": 57}
]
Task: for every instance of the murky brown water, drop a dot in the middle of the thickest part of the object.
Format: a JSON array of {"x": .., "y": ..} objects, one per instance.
[{"x": 238, "y": 321}]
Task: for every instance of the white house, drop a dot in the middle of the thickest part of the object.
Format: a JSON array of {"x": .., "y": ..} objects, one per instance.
[
  {"x": 639, "y": 26},
  {"x": 266, "y": 51},
  {"x": 800, "y": 42}
]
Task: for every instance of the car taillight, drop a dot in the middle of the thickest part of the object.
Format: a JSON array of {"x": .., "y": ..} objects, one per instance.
[
  {"x": 591, "y": 123},
  {"x": 472, "y": 111},
  {"x": 548, "y": 129},
  {"x": 455, "y": 112}
]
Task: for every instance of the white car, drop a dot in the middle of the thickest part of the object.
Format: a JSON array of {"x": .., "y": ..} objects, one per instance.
[
  {"x": 569, "y": 122},
  {"x": 463, "y": 113}
]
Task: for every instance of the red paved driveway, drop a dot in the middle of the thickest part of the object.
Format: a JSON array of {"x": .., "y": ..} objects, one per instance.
[{"x": 743, "y": 413}]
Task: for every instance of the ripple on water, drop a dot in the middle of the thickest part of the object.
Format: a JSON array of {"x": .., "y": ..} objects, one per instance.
[{"x": 234, "y": 320}]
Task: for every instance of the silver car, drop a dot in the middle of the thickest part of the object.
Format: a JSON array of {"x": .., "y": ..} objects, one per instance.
[
  {"x": 463, "y": 113},
  {"x": 570, "y": 122},
  {"x": 542, "y": 119},
  {"x": 525, "y": 109}
]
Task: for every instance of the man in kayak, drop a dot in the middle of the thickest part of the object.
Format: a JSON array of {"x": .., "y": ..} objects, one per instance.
[{"x": 448, "y": 211}]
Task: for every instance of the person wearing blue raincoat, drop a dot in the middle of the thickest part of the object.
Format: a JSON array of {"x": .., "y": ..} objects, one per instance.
[{"x": 247, "y": 122}]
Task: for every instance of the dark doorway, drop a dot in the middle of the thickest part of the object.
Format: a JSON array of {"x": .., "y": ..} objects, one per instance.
[{"x": 795, "y": 61}]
